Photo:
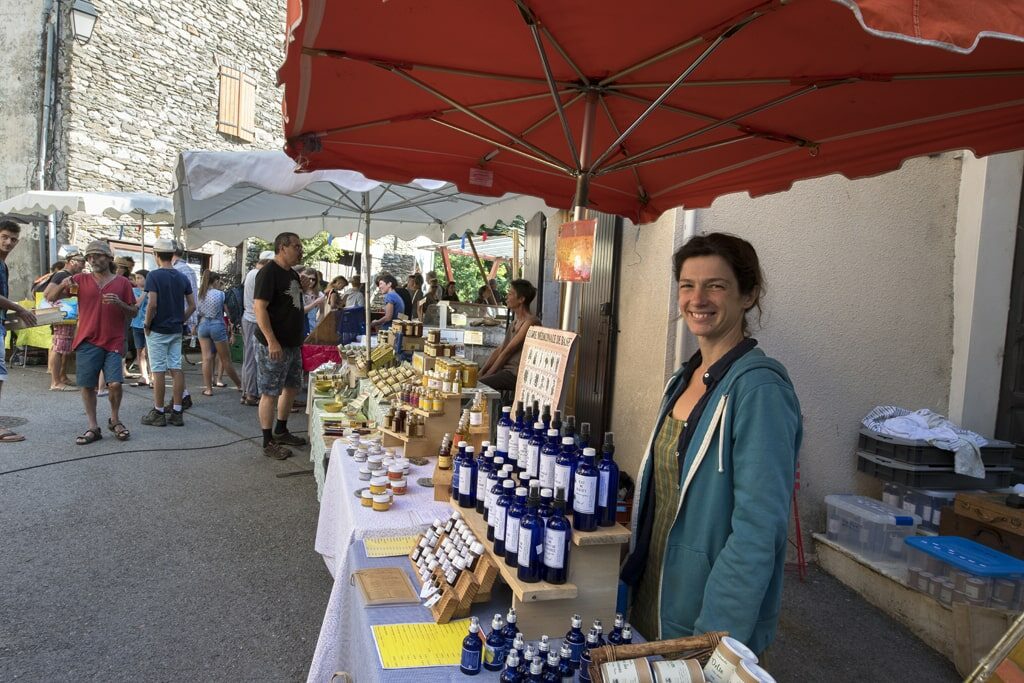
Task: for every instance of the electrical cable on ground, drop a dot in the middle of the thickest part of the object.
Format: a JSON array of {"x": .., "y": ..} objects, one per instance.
[{"x": 138, "y": 450}]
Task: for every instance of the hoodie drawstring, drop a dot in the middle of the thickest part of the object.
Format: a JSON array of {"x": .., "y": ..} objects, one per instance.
[{"x": 721, "y": 430}]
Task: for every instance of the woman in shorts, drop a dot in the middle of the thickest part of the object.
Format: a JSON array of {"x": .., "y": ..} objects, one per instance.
[{"x": 212, "y": 332}]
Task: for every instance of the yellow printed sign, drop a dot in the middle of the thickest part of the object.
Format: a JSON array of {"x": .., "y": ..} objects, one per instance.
[{"x": 411, "y": 646}]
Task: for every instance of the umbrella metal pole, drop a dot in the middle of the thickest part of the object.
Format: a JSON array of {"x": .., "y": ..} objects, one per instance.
[
  {"x": 571, "y": 310},
  {"x": 367, "y": 277}
]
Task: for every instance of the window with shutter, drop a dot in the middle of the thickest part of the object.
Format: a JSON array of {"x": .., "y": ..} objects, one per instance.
[{"x": 236, "y": 115}]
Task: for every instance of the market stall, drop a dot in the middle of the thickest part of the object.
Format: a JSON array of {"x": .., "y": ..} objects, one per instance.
[{"x": 710, "y": 100}]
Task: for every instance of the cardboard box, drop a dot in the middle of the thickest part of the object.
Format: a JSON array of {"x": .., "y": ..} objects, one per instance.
[{"x": 44, "y": 316}]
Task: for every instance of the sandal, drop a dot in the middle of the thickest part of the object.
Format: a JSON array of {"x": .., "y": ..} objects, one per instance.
[
  {"x": 121, "y": 432},
  {"x": 7, "y": 436},
  {"x": 140, "y": 384},
  {"x": 89, "y": 436},
  {"x": 219, "y": 384},
  {"x": 63, "y": 387},
  {"x": 249, "y": 401},
  {"x": 207, "y": 392}
]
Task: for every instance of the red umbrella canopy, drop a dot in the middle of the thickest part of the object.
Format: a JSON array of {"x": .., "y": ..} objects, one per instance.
[{"x": 655, "y": 103}]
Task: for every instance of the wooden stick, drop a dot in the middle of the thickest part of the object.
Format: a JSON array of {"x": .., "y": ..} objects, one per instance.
[{"x": 480, "y": 265}]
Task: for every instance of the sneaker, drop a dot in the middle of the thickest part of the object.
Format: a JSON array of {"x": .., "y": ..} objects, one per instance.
[
  {"x": 289, "y": 439},
  {"x": 154, "y": 418},
  {"x": 277, "y": 452},
  {"x": 186, "y": 402},
  {"x": 175, "y": 419}
]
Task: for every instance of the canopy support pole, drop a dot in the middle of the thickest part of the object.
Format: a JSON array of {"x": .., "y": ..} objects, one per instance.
[
  {"x": 367, "y": 277},
  {"x": 571, "y": 309}
]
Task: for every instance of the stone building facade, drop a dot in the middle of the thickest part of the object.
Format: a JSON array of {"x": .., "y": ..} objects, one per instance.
[{"x": 144, "y": 88}]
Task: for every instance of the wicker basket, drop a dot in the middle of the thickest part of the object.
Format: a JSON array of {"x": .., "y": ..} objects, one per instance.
[{"x": 694, "y": 647}]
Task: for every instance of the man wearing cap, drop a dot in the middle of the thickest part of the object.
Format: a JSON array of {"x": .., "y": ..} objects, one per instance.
[
  {"x": 277, "y": 303},
  {"x": 10, "y": 234},
  {"x": 170, "y": 302},
  {"x": 189, "y": 327},
  {"x": 105, "y": 301},
  {"x": 250, "y": 393},
  {"x": 63, "y": 334}
]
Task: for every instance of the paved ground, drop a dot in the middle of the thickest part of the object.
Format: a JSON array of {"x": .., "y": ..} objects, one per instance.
[{"x": 180, "y": 555}]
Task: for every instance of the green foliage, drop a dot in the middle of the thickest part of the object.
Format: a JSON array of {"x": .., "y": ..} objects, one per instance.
[
  {"x": 467, "y": 276},
  {"x": 314, "y": 249}
]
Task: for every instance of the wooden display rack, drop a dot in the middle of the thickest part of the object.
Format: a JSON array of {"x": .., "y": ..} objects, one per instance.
[
  {"x": 592, "y": 589},
  {"x": 470, "y": 587}
]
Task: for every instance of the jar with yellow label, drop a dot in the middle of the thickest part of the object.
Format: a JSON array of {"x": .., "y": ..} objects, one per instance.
[
  {"x": 366, "y": 498},
  {"x": 470, "y": 374},
  {"x": 381, "y": 502}
]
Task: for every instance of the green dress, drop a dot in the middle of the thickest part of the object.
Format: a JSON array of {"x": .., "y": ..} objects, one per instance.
[{"x": 645, "y": 613}]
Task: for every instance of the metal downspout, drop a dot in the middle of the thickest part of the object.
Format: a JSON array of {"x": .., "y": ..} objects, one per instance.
[{"x": 48, "y": 247}]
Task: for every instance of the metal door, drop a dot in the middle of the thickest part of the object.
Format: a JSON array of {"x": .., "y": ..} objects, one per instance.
[{"x": 1010, "y": 418}]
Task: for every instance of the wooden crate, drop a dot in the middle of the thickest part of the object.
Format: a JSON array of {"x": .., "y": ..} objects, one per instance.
[{"x": 592, "y": 588}]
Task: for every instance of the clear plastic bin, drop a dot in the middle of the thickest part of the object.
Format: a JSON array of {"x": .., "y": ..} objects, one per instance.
[
  {"x": 926, "y": 504},
  {"x": 869, "y": 527},
  {"x": 953, "y": 569}
]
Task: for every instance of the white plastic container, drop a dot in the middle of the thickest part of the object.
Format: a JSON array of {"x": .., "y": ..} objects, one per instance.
[
  {"x": 926, "y": 504},
  {"x": 869, "y": 527}
]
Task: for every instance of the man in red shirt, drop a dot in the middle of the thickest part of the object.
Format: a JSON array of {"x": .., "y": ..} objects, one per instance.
[{"x": 105, "y": 301}]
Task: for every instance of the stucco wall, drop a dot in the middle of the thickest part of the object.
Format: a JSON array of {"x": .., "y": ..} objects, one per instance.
[
  {"x": 859, "y": 305},
  {"x": 646, "y": 313},
  {"x": 21, "y": 63}
]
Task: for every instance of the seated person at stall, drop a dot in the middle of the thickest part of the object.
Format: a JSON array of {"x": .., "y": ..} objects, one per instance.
[
  {"x": 450, "y": 293},
  {"x": 336, "y": 292},
  {"x": 501, "y": 368},
  {"x": 393, "y": 304},
  {"x": 432, "y": 297},
  {"x": 356, "y": 296}
]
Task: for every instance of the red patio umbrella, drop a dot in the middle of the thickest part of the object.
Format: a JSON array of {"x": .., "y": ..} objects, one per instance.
[{"x": 635, "y": 108}]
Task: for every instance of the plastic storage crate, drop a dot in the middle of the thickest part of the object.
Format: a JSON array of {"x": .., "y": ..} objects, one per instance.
[
  {"x": 928, "y": 505},
  {"x": 915, "y": 452},
  {"x": 869, "y": 527},
  {"x": 928, "y": 476},
  {"x": 351, "y": 324},
  {"x": 953, "y": 569}
]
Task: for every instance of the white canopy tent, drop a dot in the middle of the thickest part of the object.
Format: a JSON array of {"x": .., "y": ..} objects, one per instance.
[
  {"x": 231, "y": 196},
  {"x": 41, "y": 204}
]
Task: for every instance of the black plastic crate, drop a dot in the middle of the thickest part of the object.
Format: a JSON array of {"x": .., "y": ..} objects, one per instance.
[
  {"x": 995, "y": 454},
  {"x": 929, "y": 476}
]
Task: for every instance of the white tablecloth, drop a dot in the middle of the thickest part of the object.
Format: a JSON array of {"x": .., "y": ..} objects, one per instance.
[{"x": 343, "y": 520}]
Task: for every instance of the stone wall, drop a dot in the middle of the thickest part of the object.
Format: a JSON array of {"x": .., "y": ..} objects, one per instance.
[
  {"x": 21, "y": 62},
  {"x": 146, "y": 88},
  {"x": 399, "y": 265}
]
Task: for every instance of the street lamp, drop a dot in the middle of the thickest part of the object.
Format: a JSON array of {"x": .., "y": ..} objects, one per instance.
[{"x": 83, "y": 19}]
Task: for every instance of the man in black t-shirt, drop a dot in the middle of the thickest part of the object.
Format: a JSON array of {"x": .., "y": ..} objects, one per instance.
[{"x": 277, "y": 304}]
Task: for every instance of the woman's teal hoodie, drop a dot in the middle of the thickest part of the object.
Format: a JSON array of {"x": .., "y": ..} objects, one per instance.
[{"x": 726, "y": 551}]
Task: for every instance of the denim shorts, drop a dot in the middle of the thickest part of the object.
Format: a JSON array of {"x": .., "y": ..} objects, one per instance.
[
  {"x": 90, "y": 359},
  {"x": 164, "y": 351},
  {"x": 274, "y": 375},
  {"x": 213, "y": 328},
  {"x": 139, "y": 335}
]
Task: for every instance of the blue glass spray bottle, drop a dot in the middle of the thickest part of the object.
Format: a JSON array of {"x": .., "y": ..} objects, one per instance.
[
  {"x": 575, "y": 639},
  {"x": 565, "y": 468},
  {"x": 515, "y": 516},
  {"x": 467, "y": 479},
  {"x": 504, "y": 429},
  {"x": 548, "y": 455},
  {"x": 585, "y": 658},
  {"x": 472, "y": 650},
  {"x": 585, "y": 485},
  {"x": 495, "y": 649},
  {"x": 531, "y": 540},
  {"x": 500, "y": 515},
  {"x": 608, "y": 483},
  {"x": 557, "y": 541}
]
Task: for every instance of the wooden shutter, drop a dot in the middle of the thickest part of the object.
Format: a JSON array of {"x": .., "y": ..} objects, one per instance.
[{"x": 236, "y": 115}]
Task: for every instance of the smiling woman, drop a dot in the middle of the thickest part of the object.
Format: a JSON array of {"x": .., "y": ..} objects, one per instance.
[{"x": 711, "y": 536}]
